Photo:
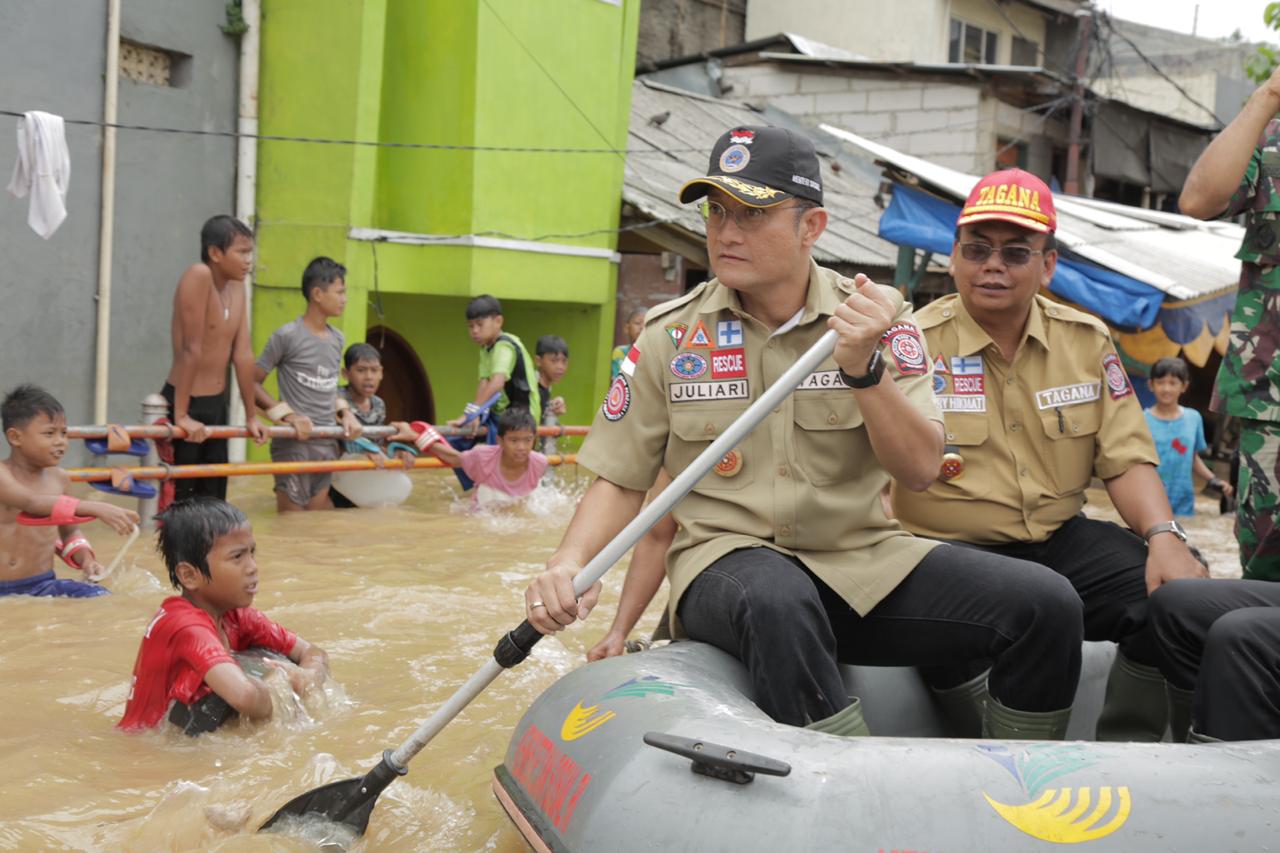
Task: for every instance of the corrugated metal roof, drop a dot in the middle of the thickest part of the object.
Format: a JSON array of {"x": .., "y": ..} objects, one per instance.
[
  {"x": 1183, "y": 257},
  {"x": 692, "y": 121}
]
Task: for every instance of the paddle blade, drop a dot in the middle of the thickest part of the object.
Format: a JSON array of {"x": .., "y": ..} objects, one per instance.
[{"x": 348, "y": 803}]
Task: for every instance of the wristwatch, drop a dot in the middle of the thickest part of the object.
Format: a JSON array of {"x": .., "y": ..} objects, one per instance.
[
  {"x": 875, "y": 369},
  {"x": 1166, "y": 527}
]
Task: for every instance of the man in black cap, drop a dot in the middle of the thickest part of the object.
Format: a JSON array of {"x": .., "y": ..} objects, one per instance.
[{"x": 785, "y": 557}]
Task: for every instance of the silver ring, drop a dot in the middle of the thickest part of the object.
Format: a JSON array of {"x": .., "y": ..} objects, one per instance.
[{"x": 534, "y": 604}]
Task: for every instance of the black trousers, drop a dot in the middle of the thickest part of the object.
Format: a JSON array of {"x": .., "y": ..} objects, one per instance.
[
  {"x": 1107, "y": 566},
  {"x": 1221, "y": 638},
  {"x": 958, "y": 604},
  {"x": 213, "y": 409}
]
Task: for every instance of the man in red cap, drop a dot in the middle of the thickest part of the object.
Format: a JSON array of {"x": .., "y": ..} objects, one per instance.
[
  {"x": 1037, "y": 403},
  {"x": 785, "y": 557}
]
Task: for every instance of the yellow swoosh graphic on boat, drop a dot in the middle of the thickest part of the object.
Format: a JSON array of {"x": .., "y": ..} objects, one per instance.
[
  {"x": 1053, "y": 817},
  {"x": 581, "y": 721}
]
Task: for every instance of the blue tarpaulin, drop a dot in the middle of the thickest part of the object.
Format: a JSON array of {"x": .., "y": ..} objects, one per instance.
[{"x": 923, "y": 221}]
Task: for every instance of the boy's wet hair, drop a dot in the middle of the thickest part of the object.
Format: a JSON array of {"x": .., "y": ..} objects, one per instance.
[
  {"x": 26, "y": 402},
  {"x": 484, "y": 306},
  {"x": 190, "y": 528},
  {"x": 548, "y": 344},
  {"x": 321, "y": 273},
  {"x": 357, "y": 353},
  {"x": 514, "y": 419},
  {"x": 219, "y": 232},
  {"x": 1171, "y": 366}
]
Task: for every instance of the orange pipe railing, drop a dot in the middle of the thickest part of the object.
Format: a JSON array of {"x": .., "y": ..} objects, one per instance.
[
  {"x": 158, "y": 431},
  {"x": 239, "y": 469}
]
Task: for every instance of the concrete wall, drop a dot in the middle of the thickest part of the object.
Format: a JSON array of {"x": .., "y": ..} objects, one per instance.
[
  {"x": 52, "y": 54},
  {"x": 675, "y": 28},
  {"x": 904, "y": 30}
]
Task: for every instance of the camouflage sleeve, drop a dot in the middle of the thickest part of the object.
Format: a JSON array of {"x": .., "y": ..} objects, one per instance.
[{"x": 1242, "y": 199}]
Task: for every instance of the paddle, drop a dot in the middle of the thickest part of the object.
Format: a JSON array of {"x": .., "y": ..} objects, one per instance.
[{"x": 350, "y": 802}]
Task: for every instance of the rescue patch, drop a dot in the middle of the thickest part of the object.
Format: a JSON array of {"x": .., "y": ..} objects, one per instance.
[
  {"x": 689, "y": 392},
  {"x": 676, "y": 331},
  {"x": 734, "y": 159},
  {"x": 688, "y": 365},
  {"x": 968, "y": 384},
  {"x": 618, "y": 400},
  {"x": 1067, "y": 395},
  {"x": 940, "y": 366},
  {"x": 729, "y": 363},
  {"x": 729, "y": 333},
  {"x": 820, "y": 380},
  {"x": 907, "y": 349},
  {"x": 1117, "y": 380},
  {"x": 628, "y": 365},
  {"x": 939, "y": 383},
  {"x": 966, "y": 365},
  {"x": 961, "y": 403},
  {"x": 698, "y": 337}
]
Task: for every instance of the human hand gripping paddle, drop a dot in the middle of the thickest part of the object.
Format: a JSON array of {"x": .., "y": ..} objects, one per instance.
[{"x": 350, "y": 802}]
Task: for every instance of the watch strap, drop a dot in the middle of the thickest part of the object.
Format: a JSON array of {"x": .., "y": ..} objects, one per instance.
[
  {"x": 875, "y": 369},
  {"x": 1165, "y": 527}
]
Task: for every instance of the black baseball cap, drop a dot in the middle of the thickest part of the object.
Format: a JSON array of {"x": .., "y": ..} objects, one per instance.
[{"x": 760, "y": 167}]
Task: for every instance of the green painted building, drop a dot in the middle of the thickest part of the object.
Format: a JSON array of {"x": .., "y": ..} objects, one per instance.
[{"x": 423, "y": 226}]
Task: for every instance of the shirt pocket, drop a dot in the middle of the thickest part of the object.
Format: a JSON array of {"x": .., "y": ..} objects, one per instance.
[
  {"x": 967, "y": 436},
  {"x": 1072, "y": 433},
  {"x": 693, "y": 428},
  {"x": 827, "y": 449}
]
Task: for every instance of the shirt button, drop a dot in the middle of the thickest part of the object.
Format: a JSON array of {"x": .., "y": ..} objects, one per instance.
[
  {"x": 951, "y": 436},
  {"x": 772, "y": 342},
  {"x": 833, "y": 418},
  {"x": 1022, "y": 472},
  {"x": 782, "y": 470},
  {"x": 785, "y": 530},
  {"x": 1009, "y": 381},
  {"x": 1015, "y": 427},
  {"x": 946, "y": 312},
  {"x": 709, "y": 429},
  {"x": 778, "y": 410}
]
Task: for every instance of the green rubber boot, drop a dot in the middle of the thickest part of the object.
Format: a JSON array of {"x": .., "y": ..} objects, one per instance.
[
  {"x": 962, "y": 706},
  {"x": 1136, "y": 707},
  {"x": 845, "y": 723},
  {"x": 1196, "y": 737},
  {"x": 1179, "y": 712},
  {"x": 1001, "y": 723}
]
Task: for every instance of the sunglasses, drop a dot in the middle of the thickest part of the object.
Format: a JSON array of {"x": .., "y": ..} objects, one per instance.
[{"x": 1013, "y": 256}]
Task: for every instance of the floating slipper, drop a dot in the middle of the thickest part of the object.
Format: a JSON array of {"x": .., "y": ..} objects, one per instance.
[
  {"x": 132, "y": 489},
  {"x": 397, "y": 446},
  {"x": 101, "y": 447}
]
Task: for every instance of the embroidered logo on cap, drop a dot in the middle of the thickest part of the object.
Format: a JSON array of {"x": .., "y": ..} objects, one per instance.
[
  {"x": 742, "y": 136},
  {"x": 734, "y": 159}
]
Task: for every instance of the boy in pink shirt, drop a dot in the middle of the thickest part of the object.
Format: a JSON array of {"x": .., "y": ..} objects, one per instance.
[{"x": 502, "y": 472}]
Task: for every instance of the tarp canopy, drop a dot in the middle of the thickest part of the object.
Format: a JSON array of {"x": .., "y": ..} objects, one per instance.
[{"x": 924, "y": 221}]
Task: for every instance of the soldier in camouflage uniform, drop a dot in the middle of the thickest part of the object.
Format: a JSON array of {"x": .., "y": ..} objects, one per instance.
[{"x": 1240, "y": 173}]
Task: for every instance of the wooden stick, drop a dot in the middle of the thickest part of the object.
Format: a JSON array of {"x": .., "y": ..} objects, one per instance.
[{"x": 239, "y": 469}]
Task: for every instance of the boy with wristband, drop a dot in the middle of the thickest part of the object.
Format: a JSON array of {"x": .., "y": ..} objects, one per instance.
[
  {"x": 186, "y": 666},
  {"x": 307, "y": 356},
  {"x": 33, "y": 499},
  {"x": 502, "y": 472}
]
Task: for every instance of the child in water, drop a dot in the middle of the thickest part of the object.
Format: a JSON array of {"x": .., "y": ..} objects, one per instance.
[
  {"x": 503, "y": 472},
  {"x": 362, "y": 368},
  {"x": 187, "y": 651},
  {"x": 1179, "y": 436},
  {"x": 32, "y": 483}
]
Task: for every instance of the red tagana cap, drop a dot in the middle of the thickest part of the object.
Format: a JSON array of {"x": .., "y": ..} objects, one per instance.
[{"x": 1011, "y": 195}]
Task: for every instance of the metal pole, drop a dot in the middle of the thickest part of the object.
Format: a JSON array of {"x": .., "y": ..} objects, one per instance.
[
  {"x": 106, "y": 225},
  {"x": 154, "y": 407},
  {"x": 246, "y": 176},
  {"x": 1072, "y": 184}
]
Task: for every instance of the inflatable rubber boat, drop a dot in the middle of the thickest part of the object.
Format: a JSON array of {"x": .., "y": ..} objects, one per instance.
[{"x": 664, "y": 750}]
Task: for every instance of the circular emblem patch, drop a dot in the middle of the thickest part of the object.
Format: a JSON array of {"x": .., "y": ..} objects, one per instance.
[
  {"x": 952, "y": 466},
  {"x": 618, "y": 400},
  {"x": 907, "y": 350},
  {"x": 688, "y": 365},
  {"x": 729, "y": 465},
  {"x": 939, "y": 383},
  {"x": 735, "y": 158},
  {"x": 1117, "y": 382}
]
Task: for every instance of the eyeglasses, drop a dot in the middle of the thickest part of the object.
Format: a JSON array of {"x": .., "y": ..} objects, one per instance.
[
  {"x": 746, "y": 218},
  {"x": 1013, "y": 256}
]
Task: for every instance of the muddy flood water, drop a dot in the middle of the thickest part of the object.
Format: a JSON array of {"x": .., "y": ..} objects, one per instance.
[{"x": 408, "y": 602}]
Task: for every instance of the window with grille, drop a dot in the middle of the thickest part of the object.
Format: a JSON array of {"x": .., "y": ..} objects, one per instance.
[
  {"x": 972, "y": 44},
  {"x": 153, "y": 66}
]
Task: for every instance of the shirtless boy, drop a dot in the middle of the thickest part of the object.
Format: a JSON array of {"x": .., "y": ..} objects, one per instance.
[
  {"x": 210, "y": 330},
  {"x": 31, "y": 482}
]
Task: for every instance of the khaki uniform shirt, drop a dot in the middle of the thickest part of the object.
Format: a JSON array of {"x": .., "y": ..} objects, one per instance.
[
  {"x": 1031, "y": 434},
  {"x": 807, "y": 482}
]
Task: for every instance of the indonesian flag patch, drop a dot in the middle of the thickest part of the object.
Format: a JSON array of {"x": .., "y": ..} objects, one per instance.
[
  {"x": 907, "y": 349},
  {"x": 628, "y": 365},
  {"x": 1117, "y": 380}
]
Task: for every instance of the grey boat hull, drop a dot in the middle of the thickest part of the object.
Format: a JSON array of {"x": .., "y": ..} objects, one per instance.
[{"x": 578, "y": 775}]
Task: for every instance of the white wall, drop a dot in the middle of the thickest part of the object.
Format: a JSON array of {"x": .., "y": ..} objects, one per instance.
[{"x": 898, "y": 30}]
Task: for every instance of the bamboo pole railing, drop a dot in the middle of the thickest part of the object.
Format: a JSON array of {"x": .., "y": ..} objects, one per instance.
[
  {"x": 240, "y": 469},
  {"x": 162, "y": 431}
]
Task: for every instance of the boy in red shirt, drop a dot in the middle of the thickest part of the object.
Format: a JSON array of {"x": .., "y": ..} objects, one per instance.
[{"x": 186, "y": 655}]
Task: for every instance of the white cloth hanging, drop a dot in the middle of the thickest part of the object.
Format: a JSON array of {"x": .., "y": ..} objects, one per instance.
[{"x": 43, "y": 170}]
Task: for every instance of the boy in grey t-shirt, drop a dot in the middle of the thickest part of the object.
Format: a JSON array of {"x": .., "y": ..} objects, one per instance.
[{"x": 307, "y": 356}]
